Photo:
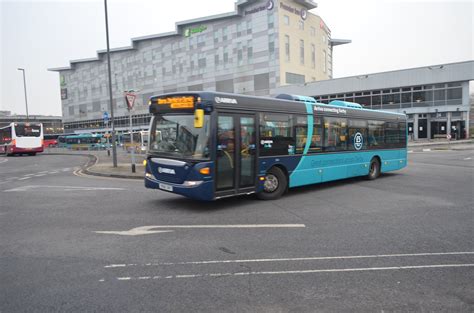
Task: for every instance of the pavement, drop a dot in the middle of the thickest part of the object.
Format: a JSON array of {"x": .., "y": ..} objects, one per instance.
[
  {"x": 102, "y": 165},
  {"x": 80, "y": 243}
]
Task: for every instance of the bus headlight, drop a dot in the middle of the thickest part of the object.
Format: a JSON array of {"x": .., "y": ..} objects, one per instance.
[
  {"x": 192, "y": 183},
  {"x": 148, "y": 175}
]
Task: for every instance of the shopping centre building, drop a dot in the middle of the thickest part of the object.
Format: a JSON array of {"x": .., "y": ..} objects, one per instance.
[
  {"x": 438, "y": 99},
  {"x": 259, "y": 47}
]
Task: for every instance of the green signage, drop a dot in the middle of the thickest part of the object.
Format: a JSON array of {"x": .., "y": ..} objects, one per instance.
[{"x": 189, "y": 31}]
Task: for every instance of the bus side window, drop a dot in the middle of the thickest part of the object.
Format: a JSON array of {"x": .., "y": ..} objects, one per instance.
[
  {"x": 376, "y": 136},
  {"x": 391, "y": 135},
  {"x": 301, "y": 133},
  {"x": 317, "y": 138},
  {"x": 357, "y": 126},
  {"x": 276, "y": 134},
  {"x": 335, "y": 134},
  {"x": 402, "y": 133}
]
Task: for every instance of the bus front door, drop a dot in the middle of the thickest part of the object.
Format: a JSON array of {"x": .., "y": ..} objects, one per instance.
[{"x": 236, "y": 154}]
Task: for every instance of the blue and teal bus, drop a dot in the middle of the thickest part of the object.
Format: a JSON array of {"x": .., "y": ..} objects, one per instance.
[
  {"x": 207, "y": 145},
  {"x": 83, "y": 142}
]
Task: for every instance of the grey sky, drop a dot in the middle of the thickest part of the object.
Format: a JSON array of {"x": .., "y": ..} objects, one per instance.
[{"x": 386, "y": 35}]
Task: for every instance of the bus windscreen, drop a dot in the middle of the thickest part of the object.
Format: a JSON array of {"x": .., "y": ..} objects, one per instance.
[
  {"x": 175, "y": 136},
  {"x": 23, "y": 130}
]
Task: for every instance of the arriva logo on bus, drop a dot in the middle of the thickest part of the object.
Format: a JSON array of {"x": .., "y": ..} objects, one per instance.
[
  {"x": 166, "y": 170},
  {"x": 225, "y": 100},
  {"x": 358, "y": 141}
]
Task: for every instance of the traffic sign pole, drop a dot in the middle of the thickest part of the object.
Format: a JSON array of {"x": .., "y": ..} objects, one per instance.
[{"x": 130, "y": 99}]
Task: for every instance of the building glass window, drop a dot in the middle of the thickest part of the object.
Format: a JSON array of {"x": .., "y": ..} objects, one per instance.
[
  {"x": 455, "y": 93},
  {"x": 249, "y": 50},
  {"x": 239, "y": 53},
  {"x": 225, "y": 56},
  {"x": 271, "y": 20},
  {"x": 202, "y": 63},
  {"x": 287, "y": 48},
  {"x": 376, "y": 102},
  {"x": 271, "y": 43},
  {"x": 249, "y": 27},
  {"x": 312, "y": 31},
  {"x": 302, "y": 52},
  {"x": 224, "y": 33},
  {"x": 286, "y": 19},
  {"x": 313, "y": 56},
  {"x": 292, "y": 78},
  {"x": 325, "y": 60},
  {"x": 301, "y": 25},
  {"x": 364, "y": 101}
]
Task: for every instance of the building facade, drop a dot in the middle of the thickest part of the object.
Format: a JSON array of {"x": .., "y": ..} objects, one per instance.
[
  {"x": 438, "y": 99},
  {"x": 262, "y": 45}
]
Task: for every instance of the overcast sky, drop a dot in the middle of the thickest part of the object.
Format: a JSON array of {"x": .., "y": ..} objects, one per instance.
[{"x": 386, "y": 35}]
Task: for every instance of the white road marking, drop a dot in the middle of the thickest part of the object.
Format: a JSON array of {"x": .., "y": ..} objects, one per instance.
[
  {"x": 312, "y": 271},
  {"x": 3, "y": 161},
  {"x": 146, "y": 230},
  {"x": 23, "y": 178},
  {"x": 426, "y": 150},
  {"x": 39, "y": 175},
  {"x": 468, "y": 159},
  {"x": 66, "y": 169},
  {"x": 410, "y": 151},
  {"x": 62, "y": 188},
  {"x": 297, "y": 259}
]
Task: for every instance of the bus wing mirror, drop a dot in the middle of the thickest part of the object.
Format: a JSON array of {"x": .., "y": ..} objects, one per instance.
[{"x": 199, "y": 118}]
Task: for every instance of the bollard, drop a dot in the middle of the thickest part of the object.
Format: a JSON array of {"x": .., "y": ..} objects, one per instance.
[
  {"x": 108, "y": 152},
  {"x": 133, "y": 168}
]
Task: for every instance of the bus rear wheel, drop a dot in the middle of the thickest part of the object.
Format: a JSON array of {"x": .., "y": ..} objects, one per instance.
[
  {"x": 374, "y": 170},
  {"x": 274, "y": 186}
]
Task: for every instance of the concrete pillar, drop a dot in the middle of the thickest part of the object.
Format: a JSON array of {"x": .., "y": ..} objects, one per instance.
[
  {"x": 415, "y": 126},
  {"x": 448, "y": 124},
  {"x": 428, "y": 125},
  {"x": 467, "y": 125}
]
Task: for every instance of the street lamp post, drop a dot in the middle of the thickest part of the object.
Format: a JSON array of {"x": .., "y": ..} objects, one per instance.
[
  {"x": 114, "y": 144},
  {"x": 24, "y": 86}
]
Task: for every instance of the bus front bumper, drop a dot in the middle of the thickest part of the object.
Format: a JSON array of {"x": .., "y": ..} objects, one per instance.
[{"x": 200, "y": 190}]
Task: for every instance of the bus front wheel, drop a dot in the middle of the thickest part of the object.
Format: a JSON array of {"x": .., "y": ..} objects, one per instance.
[
  {"x": 274, "y": 185},
  {"x": 374, "y": 170}
]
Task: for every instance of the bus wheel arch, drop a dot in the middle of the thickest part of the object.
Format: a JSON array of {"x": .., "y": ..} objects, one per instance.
[
  {"x": 276, "y": 183},
  {"x": 375, "y": 168}
]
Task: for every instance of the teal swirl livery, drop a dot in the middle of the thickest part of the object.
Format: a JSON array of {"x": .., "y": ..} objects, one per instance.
[{"x": 207, "y": 145}]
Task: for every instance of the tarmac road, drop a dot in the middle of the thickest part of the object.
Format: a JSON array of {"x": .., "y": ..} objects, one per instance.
[{"x": 401, "y": 243}]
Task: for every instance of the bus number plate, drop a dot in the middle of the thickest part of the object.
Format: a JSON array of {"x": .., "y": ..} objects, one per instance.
[{"x": 165, "y": 187}]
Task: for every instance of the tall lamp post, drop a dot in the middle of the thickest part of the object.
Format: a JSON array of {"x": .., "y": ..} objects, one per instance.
[
  {"x": 24, "y": 86},
  {"x": 114, "y": 144}
]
